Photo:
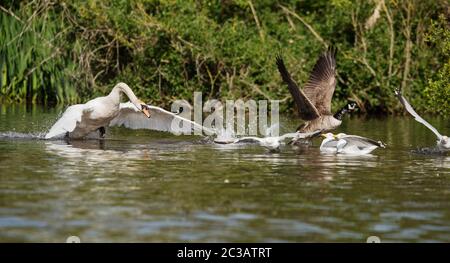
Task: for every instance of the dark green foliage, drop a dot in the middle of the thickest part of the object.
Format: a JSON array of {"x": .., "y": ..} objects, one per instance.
[
  {"x": 166, "y": 50},
  {"x": 437, "y": 93}
]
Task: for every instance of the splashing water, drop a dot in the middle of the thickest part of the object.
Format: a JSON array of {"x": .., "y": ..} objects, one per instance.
[
  {"x": 273, "y": 130},
  {"x": 225, "y": 136}
]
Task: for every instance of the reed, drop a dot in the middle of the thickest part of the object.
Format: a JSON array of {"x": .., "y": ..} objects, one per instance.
[{"x": 33, "y": 65}]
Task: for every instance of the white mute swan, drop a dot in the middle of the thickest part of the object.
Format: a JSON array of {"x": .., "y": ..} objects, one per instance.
[
  {"x": 81, "y": 119},
  {"x": 443, "y": 142},
  {"x": 349, "y": 144}
]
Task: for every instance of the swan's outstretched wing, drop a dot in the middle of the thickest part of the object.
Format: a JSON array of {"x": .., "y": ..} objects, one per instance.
[
  {"x": 416, "y": 116},
  {"x": 306, "y": 109},
  {"x": 361, "y": 141},
  {"x": 160, "y": 120},
  {"x": 68, "y": 121}
]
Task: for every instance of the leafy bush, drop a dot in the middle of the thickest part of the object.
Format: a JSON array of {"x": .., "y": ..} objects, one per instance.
[
  {"x": 168, "y": 49},
  {"x": 437, "y": 93}
]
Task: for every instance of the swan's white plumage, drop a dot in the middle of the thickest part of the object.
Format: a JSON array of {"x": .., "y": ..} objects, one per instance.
[
  {"x": 160, "y": 120},
  {"x": 80, "y": 120},
  {"x": 67, "y": 122}
]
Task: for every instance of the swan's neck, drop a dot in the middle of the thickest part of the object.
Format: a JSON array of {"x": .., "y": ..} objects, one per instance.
[{"x": 123, "y": 88}]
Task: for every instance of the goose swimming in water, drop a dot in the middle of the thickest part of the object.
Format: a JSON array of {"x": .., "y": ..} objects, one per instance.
[
  {"x": 82, "y": 120},
  {"x": 314, "y": 100},
  {"x": 349, "y": 144}
]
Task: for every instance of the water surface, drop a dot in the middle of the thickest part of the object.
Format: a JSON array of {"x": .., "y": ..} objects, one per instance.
[{"x": 143, "y": 186}]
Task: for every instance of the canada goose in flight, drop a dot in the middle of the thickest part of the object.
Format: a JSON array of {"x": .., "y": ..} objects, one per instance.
[
  {"x": 314, "y": 100},
  {"x": 272, "y": 142},
  {"x": 349, "y": 144},
  {"x": 443, "y": 142}
]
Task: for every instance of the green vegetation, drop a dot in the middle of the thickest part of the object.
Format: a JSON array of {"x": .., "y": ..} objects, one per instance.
[
  {"x": 438, "y": 90},
  {"x": 73, "y": 50},
  {"x": 33, "y": 64}
]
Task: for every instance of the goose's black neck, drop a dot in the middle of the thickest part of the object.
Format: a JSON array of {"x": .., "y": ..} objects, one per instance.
[
  {"x": 340, "y": 113},
  {"x": 348, "y": 108}
]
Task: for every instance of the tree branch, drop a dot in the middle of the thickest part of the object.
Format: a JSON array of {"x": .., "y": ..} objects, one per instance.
[
  {"x": 255, "y": 16},
  {"x": 311, "y": 29}
]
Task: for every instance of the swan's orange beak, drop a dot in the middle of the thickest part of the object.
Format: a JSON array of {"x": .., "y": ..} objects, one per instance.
[{"x": 145, "y": 110}]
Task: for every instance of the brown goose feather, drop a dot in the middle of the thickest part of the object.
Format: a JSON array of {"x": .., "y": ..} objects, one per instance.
[
  {"x": 322, "y": 81},
  {"x": 305, "y": 107}
]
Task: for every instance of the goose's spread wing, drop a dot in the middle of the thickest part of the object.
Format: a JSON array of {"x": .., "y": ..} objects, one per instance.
[
  {"x": 360, "y": 141},
  {"x": 306, "y": 109},
  {"x": 322, "y": 82},
  {"x": 160, "y": 120},
  {"x": 416, "y": 116},
  {"x": 68, "y": 121}
]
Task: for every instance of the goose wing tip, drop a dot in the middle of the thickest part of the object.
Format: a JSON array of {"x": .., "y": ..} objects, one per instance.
[
  {"x": 279, "y": 60},
  {"x": 332, "y": 49}
]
